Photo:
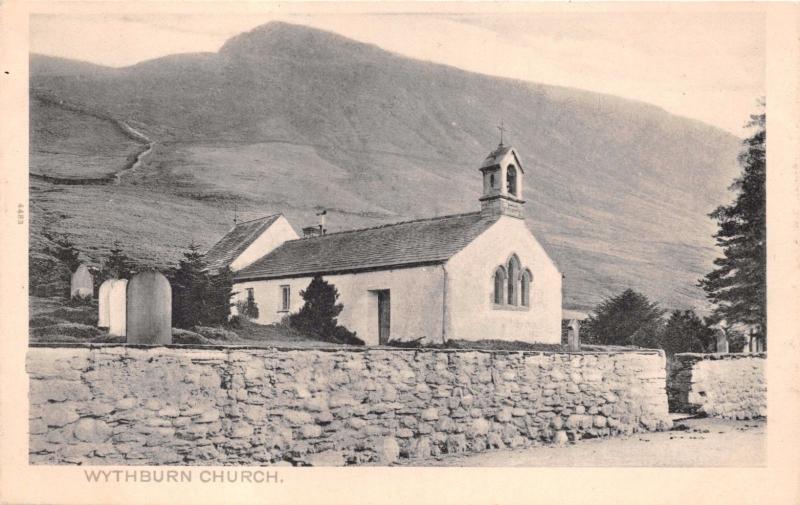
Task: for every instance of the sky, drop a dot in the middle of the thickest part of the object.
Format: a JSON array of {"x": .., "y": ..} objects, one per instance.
[{"x": 704, "y": 65}]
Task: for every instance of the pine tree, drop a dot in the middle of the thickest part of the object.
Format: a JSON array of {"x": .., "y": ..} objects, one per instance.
[
  {"x": 319, "y": 313},
  {"x": 686, "y": 332},
  {"x": 117, "y": 265},
  {"x": 66, "y": 252},
  {"x": 626, "y": 319},
  {"x": 737, "y": 286},
  {"x": 199, "y": 297}
]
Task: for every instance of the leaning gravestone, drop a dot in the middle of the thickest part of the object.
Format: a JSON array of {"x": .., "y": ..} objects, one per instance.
[
  {"x": 722, "y": 343},
  {"x": 117, "y": 307},
  {"x": 102, "y": 303},
  {"x": 81, "y": 283},
  {"x": 149, "y": 307}
]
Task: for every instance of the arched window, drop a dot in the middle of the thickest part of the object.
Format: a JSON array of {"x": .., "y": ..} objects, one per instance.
[
  {"x": 511, "y": 180},
  {"x": 525, "y": 288},
  {"x": 513, "y": 279},
  {"x": 499, "y": 285},
  {"x": 492, "y": 182}
]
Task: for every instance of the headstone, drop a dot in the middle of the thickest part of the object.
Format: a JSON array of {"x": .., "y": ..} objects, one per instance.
[
  {"x": 117, "y": 309},
  {"x": 573, "y": 336},
  {"x": 81, "y": 283},
  {"x": 149, "y": 307},
  {"x": 102, "y": 303},
  {"x": 722, "y": 342}
]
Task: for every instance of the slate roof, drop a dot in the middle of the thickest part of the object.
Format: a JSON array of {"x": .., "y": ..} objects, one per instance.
[
  {"x": 497, "y": 155},
  {"x": 424, "y": 241},
  {"x": 236, "y": 241}
]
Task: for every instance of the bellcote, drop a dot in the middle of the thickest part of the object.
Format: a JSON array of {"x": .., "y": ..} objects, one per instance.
[{"x": 502, "y": 183}]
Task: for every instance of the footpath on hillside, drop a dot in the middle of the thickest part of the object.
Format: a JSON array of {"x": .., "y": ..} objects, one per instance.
[{"x": 696, "y": 442}]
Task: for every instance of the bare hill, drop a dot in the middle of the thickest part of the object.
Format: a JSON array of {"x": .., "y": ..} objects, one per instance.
[{"x": 288, "y": 119}]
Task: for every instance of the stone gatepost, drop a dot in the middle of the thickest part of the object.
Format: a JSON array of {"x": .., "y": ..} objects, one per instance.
[
  {"x": 573, "y": 336},
  {"x": 149, "y": 307},
  {"x": 102, "y": 303},
  {"x": 81, "y": 283},
  {"x": 117, "y": 310}
]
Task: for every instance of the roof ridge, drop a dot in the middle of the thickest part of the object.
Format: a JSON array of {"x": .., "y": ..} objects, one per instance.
[
  {"x": 258, "y": 218},
  {"x": 386, "y": 225}
]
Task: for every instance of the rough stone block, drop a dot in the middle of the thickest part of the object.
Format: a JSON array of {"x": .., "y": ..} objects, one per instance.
[
  {"x": 92, "y": 430},
  {"x": 57, "y": 415},
  {"x": 388, "y": 450}
]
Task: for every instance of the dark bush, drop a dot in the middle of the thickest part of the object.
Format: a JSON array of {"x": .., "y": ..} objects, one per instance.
[
  {"x": 248, "y": 308},
  {"x": 344, "y": 336},
  {"x": 318, "y": 316},
  {"x": 235, "y": 322},
  {"x": 407, "y": 344}
]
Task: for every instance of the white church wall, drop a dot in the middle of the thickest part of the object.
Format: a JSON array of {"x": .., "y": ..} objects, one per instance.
[
  {"x": 416, "y": 300},
  {"x": 279, "y": 232},
  {"x": 471, "y": 312}
]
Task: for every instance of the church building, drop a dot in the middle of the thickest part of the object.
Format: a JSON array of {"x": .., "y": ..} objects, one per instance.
[{"x": 473, "y": 276}]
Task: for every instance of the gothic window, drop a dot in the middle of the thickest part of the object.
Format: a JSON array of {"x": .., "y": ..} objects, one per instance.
[
  {"x": 511, "y": 180},
  {"x": 525, "y": 288},
  {"x": 513, "y": 279},
  {"x": 492, "y": 182},
  {"x": 499, "y": 285}
]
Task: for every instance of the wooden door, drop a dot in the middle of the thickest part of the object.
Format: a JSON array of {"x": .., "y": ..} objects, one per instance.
[{"x": 384, "y": 316}]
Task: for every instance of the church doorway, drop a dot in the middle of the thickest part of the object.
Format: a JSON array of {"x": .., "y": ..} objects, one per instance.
[{"x": 384, "y": 315}]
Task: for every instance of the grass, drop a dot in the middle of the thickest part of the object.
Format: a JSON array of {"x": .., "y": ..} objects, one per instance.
[{"x": 53, "y": 320}]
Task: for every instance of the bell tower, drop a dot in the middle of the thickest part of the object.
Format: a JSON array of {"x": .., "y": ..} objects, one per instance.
[{"x": 502, "y": 183}]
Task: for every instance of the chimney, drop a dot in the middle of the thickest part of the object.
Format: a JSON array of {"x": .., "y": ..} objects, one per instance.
[
  {"x": 321, "y": 215},
  {"x": 311, "y": 231}
]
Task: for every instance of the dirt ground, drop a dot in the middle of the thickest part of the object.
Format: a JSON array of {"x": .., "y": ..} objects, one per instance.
[{"x": 704, "y": 442}]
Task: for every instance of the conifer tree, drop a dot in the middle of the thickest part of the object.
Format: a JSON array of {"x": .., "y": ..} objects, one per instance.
[
  {"x": 117, "y": 265},
  {"x": 626, "y": 319},
  {"x": 199, "y": 297},
  {"x": 686, "y": 332},
  {"x": 737, "y": 286},
  {"x": 319, "y": 313}
]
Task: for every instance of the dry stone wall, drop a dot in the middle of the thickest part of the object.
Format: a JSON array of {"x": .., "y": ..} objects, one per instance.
[
  {"x": 721, "y": 385},
  {"x": 169, "y": 405}
]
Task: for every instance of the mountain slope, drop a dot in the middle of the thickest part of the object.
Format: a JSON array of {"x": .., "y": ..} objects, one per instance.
[{"x": 288, "y": 119}]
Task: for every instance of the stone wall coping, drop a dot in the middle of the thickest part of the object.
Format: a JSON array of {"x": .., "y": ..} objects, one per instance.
[
  {"x": 356, "y": 349},
  {"x": 715, "y": 356}
]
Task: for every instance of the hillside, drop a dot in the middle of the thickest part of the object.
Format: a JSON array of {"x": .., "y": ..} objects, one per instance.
[{"x": 289, "y": 119}]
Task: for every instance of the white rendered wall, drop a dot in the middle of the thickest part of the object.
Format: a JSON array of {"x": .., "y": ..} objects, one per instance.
[
  {"x": 416, "y": 301},
  {"x": 471, "y": 313},
  {"x": 278, "y": 232}
]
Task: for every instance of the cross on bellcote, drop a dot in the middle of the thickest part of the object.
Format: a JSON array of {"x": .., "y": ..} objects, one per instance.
[{"x": 502, "y": 131}]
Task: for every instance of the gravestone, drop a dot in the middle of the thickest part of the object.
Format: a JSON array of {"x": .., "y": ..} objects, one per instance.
[
  {"x": 81, "y": 283},
  {"x": 117, "y": 310},
  {"x": 573, "y": 336},
  {"x": 102, "y": 303},
  {"x": 149, "y": 306},
  {"x": 722, "y": 343}
]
